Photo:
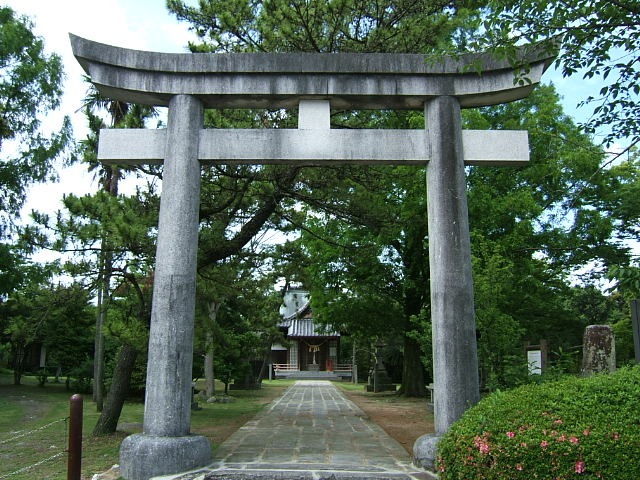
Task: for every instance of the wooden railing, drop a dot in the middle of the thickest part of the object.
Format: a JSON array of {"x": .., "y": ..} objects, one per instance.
[
  {"x": 285, "y": 367},
  {"x": 339, "y": 369},
  {"x": 343, "y": 368}
]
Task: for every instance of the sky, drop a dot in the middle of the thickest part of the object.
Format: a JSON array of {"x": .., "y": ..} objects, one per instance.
[{"x": 144, "y": 25}]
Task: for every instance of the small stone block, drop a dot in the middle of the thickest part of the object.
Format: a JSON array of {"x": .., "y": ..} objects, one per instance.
[
  {"x": 145, "y": 456},
  {"x": 425, "y": 451}
]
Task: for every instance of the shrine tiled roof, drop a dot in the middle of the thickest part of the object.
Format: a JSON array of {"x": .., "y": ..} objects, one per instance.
[
  {"x": 305, "y": 327},
  {"x": 298, "y": 316}
]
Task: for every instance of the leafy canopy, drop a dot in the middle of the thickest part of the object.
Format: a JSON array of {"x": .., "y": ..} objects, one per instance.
[
  {"x": 30, "y": 86},
  {"x": 598, "y": 39},
  {"x": 325, "y": 26}
]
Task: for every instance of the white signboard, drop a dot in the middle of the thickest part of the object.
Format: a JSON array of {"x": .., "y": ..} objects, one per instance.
[{"x": 534, "y": 359}]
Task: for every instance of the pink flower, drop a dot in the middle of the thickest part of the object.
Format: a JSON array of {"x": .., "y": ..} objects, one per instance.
[
  {"x": 544, "y": 444},
  {"x": 558, "y": 422},
  {"x": 574, "y": 440},
  {"x": 519, "y": 467},
  {"x": 579, "y": 466},
  {"x": 562, "y": 438},
  {"x": 511, "y": 434},
  {"x": 616, "y": 437},
  {"x": 481, "y": 444},
  {"x": 586, "y": 432}
]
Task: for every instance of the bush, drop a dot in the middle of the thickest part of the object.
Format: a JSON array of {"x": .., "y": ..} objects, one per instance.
[{"x": 575, "y": 428}]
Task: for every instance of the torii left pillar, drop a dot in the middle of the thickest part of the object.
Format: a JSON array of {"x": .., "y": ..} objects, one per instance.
[{"x": 166, "y": 444}]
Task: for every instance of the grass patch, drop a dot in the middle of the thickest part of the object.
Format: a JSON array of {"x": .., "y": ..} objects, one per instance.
[
  {"x": 42, "y": 410},
  {"x": 350, "y": 386}
]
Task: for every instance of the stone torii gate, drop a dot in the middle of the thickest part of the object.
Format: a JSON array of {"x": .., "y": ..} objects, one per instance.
[{"x": 313, "y": 83}]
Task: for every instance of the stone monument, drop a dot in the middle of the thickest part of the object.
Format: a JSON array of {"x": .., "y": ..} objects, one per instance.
[
  {"x": 313, "y": 83},
  {"x": 379, "y": 380},
  {"x": 598, "y": 350}
]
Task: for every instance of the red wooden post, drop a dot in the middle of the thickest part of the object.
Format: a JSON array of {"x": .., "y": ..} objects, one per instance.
[{"x": 74, "y": 461}]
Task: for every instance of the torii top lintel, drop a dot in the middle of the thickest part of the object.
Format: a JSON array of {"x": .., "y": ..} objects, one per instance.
[{"x": 280, "y": 80}]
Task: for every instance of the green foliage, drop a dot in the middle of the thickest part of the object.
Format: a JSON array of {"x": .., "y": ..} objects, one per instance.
[
  {"x": 597, "y": 39},
  {"x": 533, "y": 226},
  {"x": 30, "y": 87},
  {"x": 367, "y": 258},
  {"x": 627, "y": 280},
  {"x": 57, "y": 317},
  {"x": 325, "y": 25},
  {"x": 573, "y": 428},
  {"x": 79, "y": 377},
  {"x": 236, "y": 318},
  {"x": 625, "y": 348}
]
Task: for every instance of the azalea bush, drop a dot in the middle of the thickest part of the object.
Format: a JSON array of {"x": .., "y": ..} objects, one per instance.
[{"x": 574, "y": 428}]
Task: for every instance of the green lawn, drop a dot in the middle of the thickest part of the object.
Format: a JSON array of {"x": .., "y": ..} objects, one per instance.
[{"x": 28, "y": 434}]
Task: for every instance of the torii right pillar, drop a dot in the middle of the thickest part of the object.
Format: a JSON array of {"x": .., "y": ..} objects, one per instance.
[
  {"x": 455, "y": 359},
  {"x": 455, "y": 353}
]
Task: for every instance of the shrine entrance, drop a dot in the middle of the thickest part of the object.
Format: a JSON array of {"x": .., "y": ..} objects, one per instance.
[{"x": 312, "y": 83}]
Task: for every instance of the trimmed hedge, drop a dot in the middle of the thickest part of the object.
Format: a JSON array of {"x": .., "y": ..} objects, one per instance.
[{"x": 574, "y": 428}]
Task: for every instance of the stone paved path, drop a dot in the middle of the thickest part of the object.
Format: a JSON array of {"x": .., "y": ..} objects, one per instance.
[{"x": 312, "y": 432}]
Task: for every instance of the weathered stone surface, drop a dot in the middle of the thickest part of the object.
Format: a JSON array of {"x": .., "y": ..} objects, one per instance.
[
  {"x": 455, "y": 360},
  {"x": 169, "y": 380},
  {"x": 145, "y": 456},
  {"x": 598, "y": 350},
  {"x": 312, "y": 432},
  {"x": 279, "y": 80},
  {"x": 166, "y": 445},
  {"x": 315, "y": 147},
  {"x": 425, "y": 451},
  {"x": 379, "y": 380}
]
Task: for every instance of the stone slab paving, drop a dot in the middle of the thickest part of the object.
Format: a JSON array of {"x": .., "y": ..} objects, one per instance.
[{"x": 312, "y": 432}]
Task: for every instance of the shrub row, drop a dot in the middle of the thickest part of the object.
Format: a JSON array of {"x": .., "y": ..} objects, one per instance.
[{"x": 574, "y": 428}]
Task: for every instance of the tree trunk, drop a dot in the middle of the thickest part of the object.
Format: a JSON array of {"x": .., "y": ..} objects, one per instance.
[
  {"x": 110, "y": 415},
  {"x": 416, "y": 269},
  {"x": 412, "y": 370},
  {"x": 106, "y": 266},
  {"x": 209, "y": 375},
  {"x": 354, "y": 364},
  {"x": 103, "y": 300},
  {"x": 98, "y": 355},
  {"x": 266, "y": 365},
  {"x": 18, "y": 363}
]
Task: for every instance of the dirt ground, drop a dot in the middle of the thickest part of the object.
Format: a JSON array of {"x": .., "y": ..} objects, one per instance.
[{"x": 404, "y": 419}]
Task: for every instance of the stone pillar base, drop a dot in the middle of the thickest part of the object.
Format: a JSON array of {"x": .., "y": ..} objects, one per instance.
[
  {"x": 144, "y": 456},
  {"x": 425, "y": 451}
]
